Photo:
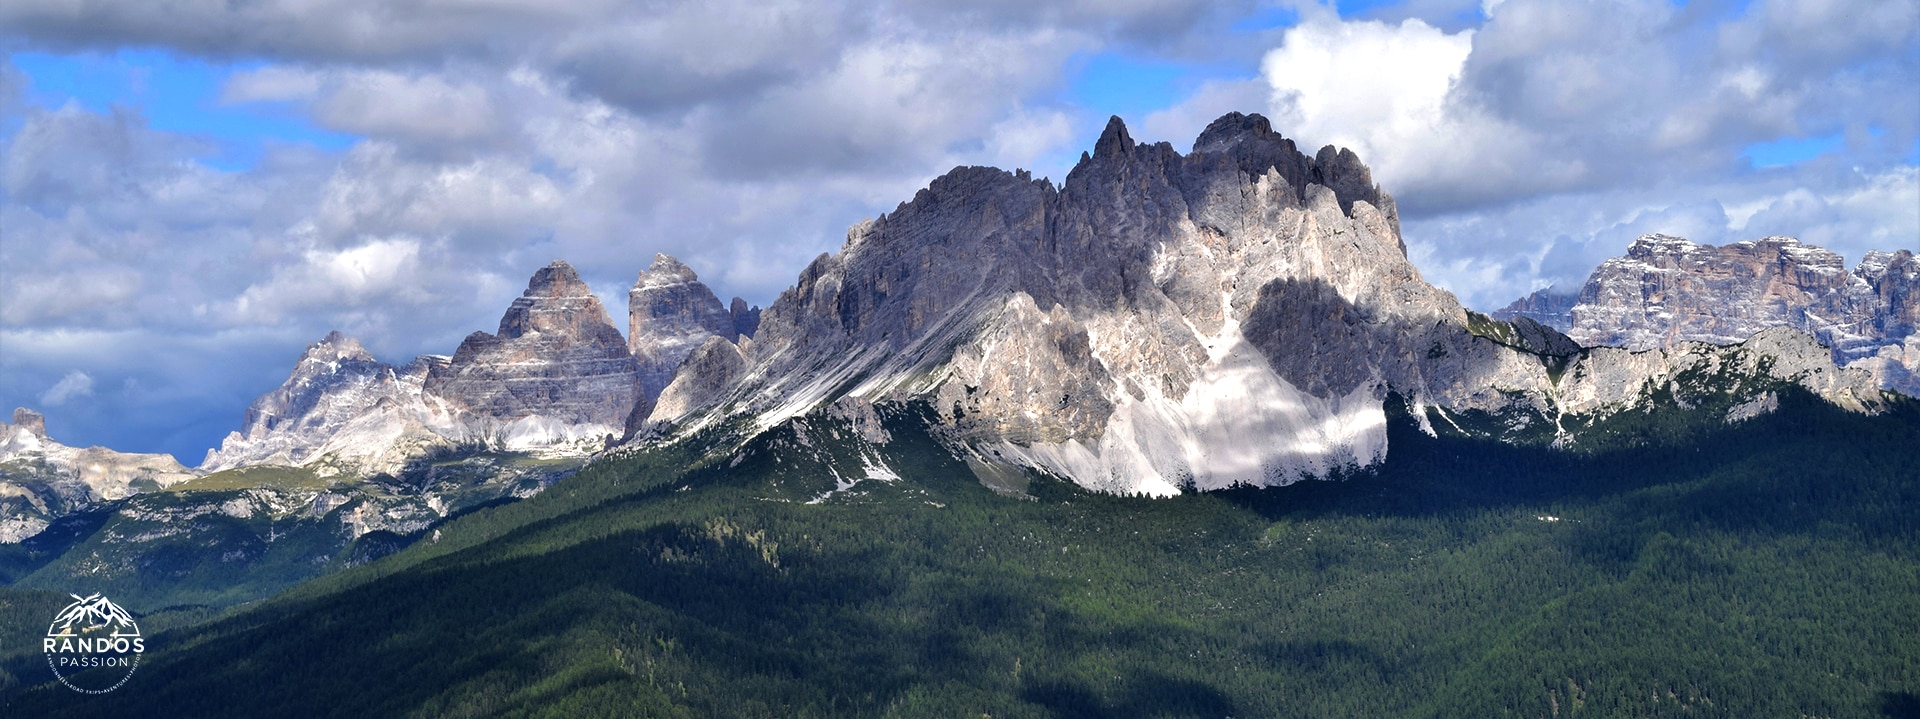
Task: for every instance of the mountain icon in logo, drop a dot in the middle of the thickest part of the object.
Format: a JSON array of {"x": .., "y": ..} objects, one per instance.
[
  {"x": 93, "y": 645},
  {"x": 91, "y": 614}
]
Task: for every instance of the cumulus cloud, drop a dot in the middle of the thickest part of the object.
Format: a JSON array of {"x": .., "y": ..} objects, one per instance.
[
  {"x": 73, "y": 385},
  {"x": 745, "y": 137},
  {"x": 1383, "y": 90},
  {"x": 1572, "y": 96},
  {"x": 1528, "y": 148}
]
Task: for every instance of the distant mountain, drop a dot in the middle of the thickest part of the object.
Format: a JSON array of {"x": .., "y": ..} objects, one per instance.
[
  {"x": 557, "y": 378},
  {"x": 1550, "y": 306},
  {"x": 669, "y": 315},
  {"x": 343, "y": 412},
  {"x": 42, "y": 480},
  {"x": 556, "y": 372},
  {"x": 1667, "y": 290}
]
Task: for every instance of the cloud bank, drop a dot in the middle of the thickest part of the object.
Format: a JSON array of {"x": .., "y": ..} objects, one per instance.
[{"x": 1525, "y": 140}]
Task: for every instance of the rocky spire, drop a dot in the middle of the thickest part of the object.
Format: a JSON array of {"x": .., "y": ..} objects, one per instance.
[
  {"x": 746, "y": 320},
  {"x": 669, "y": 303},
  {"x": 31, "y": 421},
  {"x": 557, "y": 356},
  {"x": 669, "y": 313},
  {"x": 1114, "y": 140}
]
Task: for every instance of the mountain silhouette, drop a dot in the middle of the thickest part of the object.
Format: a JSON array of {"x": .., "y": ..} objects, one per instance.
[{"x": 96, "y": 611}]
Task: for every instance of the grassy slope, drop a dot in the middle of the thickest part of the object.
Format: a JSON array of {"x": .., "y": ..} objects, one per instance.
[
  {"x": 1768, "y": 569},
  {"x": 187, "y": 548}
]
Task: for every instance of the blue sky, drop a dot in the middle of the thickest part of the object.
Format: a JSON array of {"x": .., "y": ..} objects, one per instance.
[
  {"x": 194, "y": 193},
  {"x": 175, "y": 94}
]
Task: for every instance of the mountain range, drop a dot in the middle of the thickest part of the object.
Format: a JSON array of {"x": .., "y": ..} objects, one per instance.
[
  {"x": 958, "y": 468},
  {"x": 1667, "y": 290},
  {"x": 1240, "y": 315}
]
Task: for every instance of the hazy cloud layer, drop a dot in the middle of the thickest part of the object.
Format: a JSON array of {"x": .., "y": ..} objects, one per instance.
[{"x": 1525, "y": 141}]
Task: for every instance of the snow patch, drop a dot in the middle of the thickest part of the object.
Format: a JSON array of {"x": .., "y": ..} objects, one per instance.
[{"x": 1239, "y": 423}]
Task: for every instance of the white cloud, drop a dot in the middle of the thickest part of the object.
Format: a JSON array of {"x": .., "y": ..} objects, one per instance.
[
  {"x": 1386, "y": 92},
  {"x": 745, "y": 138},
  {"x": 1026, "y": 138},
  {"x": 75, "y": 384},
  {"x": 1374, "y": 87},
  {"x": 334, "y": 280},
  {"x": 1527, "y": 150},
  {"x": 428, "y": 109},
  {"x": 273, "y": 83}
]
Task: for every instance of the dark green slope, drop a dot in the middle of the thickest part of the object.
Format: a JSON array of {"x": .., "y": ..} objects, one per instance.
[
  {"x": 242, "y": 535},
  {"x": 1768, "y": 568}
]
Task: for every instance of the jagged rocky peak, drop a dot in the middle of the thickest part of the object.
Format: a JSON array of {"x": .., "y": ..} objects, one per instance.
[
  {"x": 1251, "y": 142},
  {"x": 669, "y": 313},
  {"x": 1667, "y": 290},
  {"x": 1143, "y": 324},
  {"x": 335, "y": 346},
  {"x": 328, "y": 366},
  {"x": 1550, "y": 306},
  {"x": 669, "y": 301},
  {"x": 33, "y": 422},
  {"x": 1895, "y": 279},
  {"x": 557, "y": 357},
  {"x": 42, "y": 479},
  {"x": 325, "y": 407},
  {"x": 558, "y": 302},
  {"x": 746, "y": 320}
]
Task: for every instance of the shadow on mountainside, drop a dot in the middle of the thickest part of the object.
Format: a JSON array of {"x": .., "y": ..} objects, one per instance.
[{"x": 1767, "y": 474}]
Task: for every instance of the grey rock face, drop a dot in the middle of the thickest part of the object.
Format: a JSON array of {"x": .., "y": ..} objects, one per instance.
[
  {"x": 1551, "y": 307},
  {"x": 555, "y": 380},
  {"x": 345, "y": 410},
  {"x": 33, "y": 422},
  {"x": 746, "y": 320},
  {"x": 1608, "y": 378},
  {"x": 557, "y": 356},
  {"x": 42, "y": 479},
  {"x": 1667, "y": 291},
  {"x": 712, "y": 369},
  {"x": 333, "y": 362},
  {"x": 669, "y": 314},
  {"x": 1156, "y": 320}
]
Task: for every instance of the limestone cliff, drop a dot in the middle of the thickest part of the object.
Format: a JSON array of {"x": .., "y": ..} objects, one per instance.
[
  {"x": 1667, "y": 290},
  {"x": 1232, "y": 315},
  {"x": 42, "y": 479},
  {"x": 556, "y": 369},
  {"x": 1238, "y": 314}
]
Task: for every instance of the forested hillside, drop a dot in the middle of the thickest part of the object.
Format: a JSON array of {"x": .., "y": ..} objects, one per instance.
[{"x": 1765, "y": 568}]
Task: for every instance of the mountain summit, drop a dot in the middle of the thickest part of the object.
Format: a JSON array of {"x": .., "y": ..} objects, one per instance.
[
  {"x": 1237, "y": 315},
  {"x": 1667, "y": 290},
  {"x": 557, "y": 356}
]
